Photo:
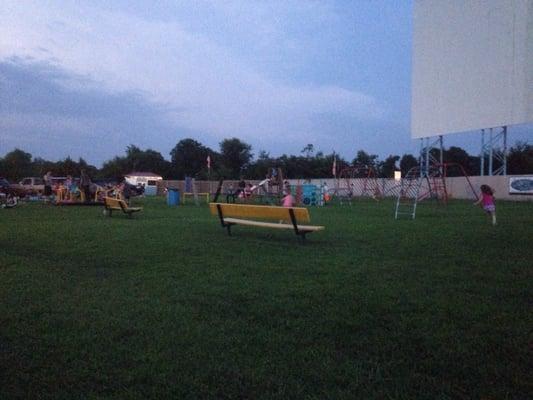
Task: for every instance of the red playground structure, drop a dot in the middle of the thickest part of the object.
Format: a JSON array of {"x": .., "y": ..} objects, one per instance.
[
  {"x": 419, "y": 184},
  {"x": 357, "y": 181}
]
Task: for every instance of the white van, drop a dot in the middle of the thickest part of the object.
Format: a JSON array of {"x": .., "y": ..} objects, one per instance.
[{"x": 147, "y": 180}]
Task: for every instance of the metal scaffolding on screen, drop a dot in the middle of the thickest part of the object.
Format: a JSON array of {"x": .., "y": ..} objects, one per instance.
[
  {"x": 493, "y": 149},
  {"x": 427, "y": 157}
]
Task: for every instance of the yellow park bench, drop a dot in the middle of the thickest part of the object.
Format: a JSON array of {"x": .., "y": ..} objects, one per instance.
[
  {"x": 111, "y": 204},
  {"x": 246, "y": 214}
]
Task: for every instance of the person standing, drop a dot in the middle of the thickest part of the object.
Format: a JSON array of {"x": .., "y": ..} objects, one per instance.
[
  {"x": 68, "y": 187},
  {"x": 85, "y": 185},
  {"x": 47, "y": 185}
]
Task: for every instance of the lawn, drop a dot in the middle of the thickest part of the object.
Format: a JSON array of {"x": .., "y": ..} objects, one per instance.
[{"x": 166, "y": 305}]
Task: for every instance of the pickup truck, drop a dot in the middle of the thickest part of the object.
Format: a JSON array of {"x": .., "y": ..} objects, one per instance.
[{"x": 30, "y": 185}]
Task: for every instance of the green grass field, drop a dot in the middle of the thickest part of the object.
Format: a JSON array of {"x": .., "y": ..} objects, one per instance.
[{"x": 166, "y": 305}]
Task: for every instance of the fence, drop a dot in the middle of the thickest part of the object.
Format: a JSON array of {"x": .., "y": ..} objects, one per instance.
[{"x": 457, "y": 187}]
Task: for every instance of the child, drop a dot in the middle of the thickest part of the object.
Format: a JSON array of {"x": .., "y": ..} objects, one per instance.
[
  {"x": 248, "y": 190},
  {"x": 487, "y": 200},
  {"x": 67, "y": 184},
  {"x": 288, "y": 200},
  {"x": 73, "y": 190}
]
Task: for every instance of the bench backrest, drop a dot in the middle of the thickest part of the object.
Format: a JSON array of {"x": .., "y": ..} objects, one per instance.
[
  {"x": 115, "y": 203},
  {"x": 264, "y": 212}
]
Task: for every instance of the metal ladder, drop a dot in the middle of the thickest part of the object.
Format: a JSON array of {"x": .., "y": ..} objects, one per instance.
[
  {"x": 410, "y": 191},
  {"x": 407, "y": 199}
]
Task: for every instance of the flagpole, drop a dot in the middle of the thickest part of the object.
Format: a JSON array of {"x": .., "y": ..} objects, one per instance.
[
  {"x": 334, "y": 171},
  {"x": 209, "y": 174}
]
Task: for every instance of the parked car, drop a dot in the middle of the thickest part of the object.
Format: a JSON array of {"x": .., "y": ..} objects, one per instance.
[
  {"x": 6, "y": 188},
  {"x": 30, "y": 185}
]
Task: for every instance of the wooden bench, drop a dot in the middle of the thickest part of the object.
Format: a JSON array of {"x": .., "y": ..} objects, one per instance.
[
  {"x": 111, "y": 204},
  {"x": 246, "y": 214}
]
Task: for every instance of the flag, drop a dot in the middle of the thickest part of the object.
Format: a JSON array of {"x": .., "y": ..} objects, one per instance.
[
  {"x": 334, "y": 168},
  {"x": 208, "y": 161}
]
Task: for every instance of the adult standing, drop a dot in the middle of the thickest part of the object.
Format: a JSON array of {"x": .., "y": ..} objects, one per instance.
[
  {"x": 85, "y": 185},
  {"x": 68, "y": 187},
  {"x": 47, "y": 185}
]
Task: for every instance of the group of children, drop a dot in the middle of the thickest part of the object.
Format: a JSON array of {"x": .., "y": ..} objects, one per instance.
[{"x": 67, "y": 190}]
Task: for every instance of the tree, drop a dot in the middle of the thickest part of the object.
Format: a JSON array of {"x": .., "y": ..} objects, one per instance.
[
  {"x": 387, "y": 167},
  {"x": 407, "y": 162},
  {"x": 148, "y": 161},
  {"x": 91, "y": 170},
  {"x": 235, "y": 156},
  {"x": 135, "y": 160},
  {"x": 189, "y": 158},
  {"x": 259, "y": 169},
  {"x": 520, "y": 159},
  {"x": 363, "y": 158},
  {"x": 308, "y": 150},
  {"x": 40, "y": 167},
  {"x": 115, "y": 168},
  {"x": 459, "y": 156},
  {"x": 67, "y": 167},
  {"x": 16, "y": 165}
]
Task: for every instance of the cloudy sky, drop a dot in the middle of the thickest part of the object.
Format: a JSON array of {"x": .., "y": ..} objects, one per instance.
[{"x": 88, "y": 78}]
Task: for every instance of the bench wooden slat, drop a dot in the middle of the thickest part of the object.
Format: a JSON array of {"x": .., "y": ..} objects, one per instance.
[
  {"x": 307, "y": 228},
  {"x": 265, "y": 212}
]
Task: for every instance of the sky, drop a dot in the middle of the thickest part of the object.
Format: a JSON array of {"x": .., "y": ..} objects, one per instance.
[{"x": 88, "y": 78}]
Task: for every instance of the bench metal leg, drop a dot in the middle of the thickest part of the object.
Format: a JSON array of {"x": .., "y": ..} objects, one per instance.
[
  {"x": 222, "y": 222},
  {"x": 295, "y": 225}
]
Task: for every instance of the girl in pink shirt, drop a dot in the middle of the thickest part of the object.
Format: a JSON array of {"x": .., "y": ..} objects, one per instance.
[
  {"x": 288, "y": 200},
  {"x": 487, "y": 201}
]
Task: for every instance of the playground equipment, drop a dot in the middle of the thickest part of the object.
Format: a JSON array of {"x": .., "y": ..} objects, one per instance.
[
  {"x": 63, "y": 197},
  {"x": 426, "y": 183},
  {"x": 360, "y": 180},
  {"x": 196, "y": 197},
  {"x": 310, "y": 195},
  {"x": 248, "y": 193},
  {"x": 276, "y": 182},
  {"x": 263, "y": 185},
  {"x": 191, "y": 192},
  {"x": 271, "y": 190},
  {"x": 268, "y": 191}
]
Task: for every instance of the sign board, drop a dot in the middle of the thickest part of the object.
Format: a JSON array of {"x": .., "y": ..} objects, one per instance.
[{"x": 521, "y": 185}]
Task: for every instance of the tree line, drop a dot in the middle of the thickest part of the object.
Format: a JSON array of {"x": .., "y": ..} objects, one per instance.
[{"x": 234, "y": 159}]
